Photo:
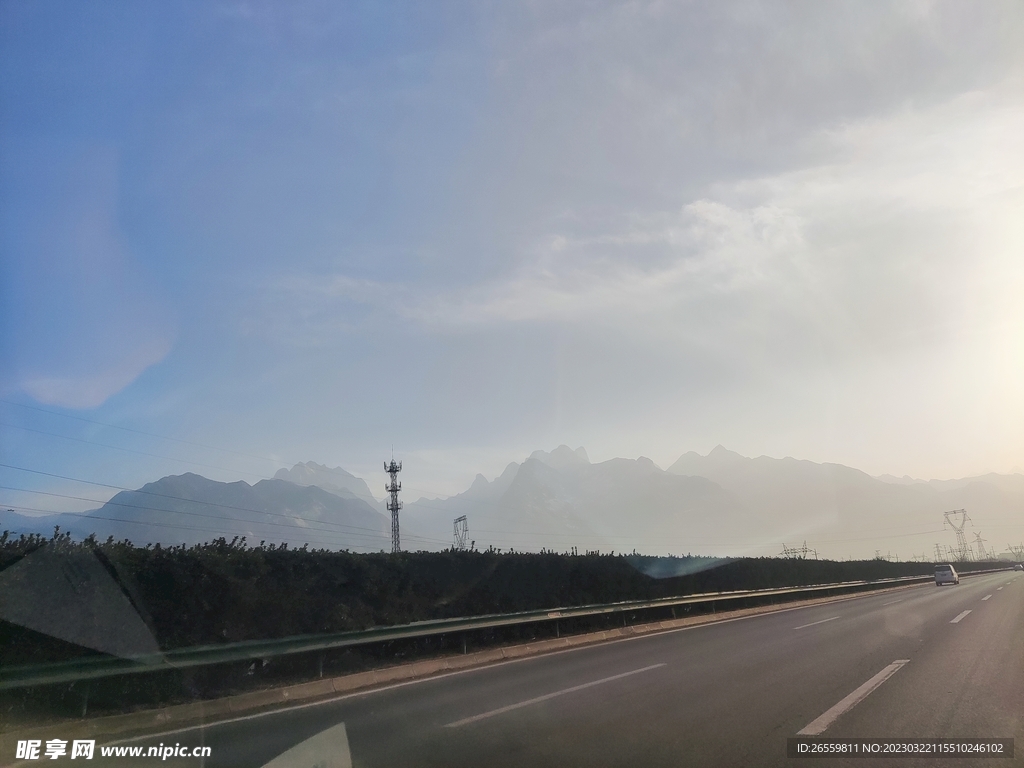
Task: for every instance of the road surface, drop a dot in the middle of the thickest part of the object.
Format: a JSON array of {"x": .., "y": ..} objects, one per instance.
[{"x": 946, "y": 661}]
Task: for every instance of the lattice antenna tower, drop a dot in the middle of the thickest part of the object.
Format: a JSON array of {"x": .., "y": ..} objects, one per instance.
[
  {"x": 394, "y": 504},
  {"x": 982, "y": 552},
  {"x": 461, "y": 532},
  {"x": 957, "y": 519}
]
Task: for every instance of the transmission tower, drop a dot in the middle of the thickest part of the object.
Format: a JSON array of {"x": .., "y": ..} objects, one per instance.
[
  {"x": 461, "y": 532},
  {"x": 982, "y": 553},
  {"x": 1017, "y": 551},
  {"x": 800, "y": 553},
  {"x": 938, "y": 553},
  {"x": 957, "y": 520},
  {"x": 394, "y": 505}
]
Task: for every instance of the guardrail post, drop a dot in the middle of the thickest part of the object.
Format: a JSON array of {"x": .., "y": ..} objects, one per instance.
[
  {"x": 320, "y": 665},
  {"x": 463, "y": 644},
  {"x": 557, "y": 633}
]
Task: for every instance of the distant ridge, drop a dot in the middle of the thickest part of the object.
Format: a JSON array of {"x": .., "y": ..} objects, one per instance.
[
  {"x": 190, "y": 509},
  {"x": 719, "y": 504},
  {"x": 333, "y": 480}
]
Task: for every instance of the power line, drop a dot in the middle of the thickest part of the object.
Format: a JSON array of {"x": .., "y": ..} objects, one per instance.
[
  {"x": 137, "y": 431},
  {"x": 200, "y": 514},
  {"x": 130, "y": 450},
  {"x": 172, "y": 525},
  {"x": 180, "y": 498},
  {"x": 575, "y": 537},
  {"x": 152, "y": 493}
]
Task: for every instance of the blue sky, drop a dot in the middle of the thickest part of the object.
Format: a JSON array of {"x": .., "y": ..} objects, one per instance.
[{"x": 278, "y": 232}]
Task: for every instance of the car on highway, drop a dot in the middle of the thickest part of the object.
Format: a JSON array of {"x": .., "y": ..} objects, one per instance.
[
  {"x": 1018, "y": 567},
  {"x": 946, "y": 574}
]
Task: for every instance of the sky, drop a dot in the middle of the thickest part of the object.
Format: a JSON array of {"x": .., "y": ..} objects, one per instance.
[{"x": 237, "y": 236}]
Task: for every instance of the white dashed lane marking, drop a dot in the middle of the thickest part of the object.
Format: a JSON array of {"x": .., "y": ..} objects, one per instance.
[
  {"x": 986, "y": 597},
  {"x": 815, "y": 727},
  {"x": 547, "y": 696},
  {"x": 959, "y": 618},
  {"x": 802, "y": 626}
]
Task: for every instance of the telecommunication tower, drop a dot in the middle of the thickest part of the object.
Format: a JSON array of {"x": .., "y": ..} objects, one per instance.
[
  {"x": 957, "y": 520},
  {"x": 394, "y": 504},
  {"x": 461, "y": 532}
]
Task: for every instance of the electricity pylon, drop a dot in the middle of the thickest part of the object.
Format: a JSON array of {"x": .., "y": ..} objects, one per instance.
[
  {"x": 800, "y": 553},
  {"x": 962, "y": 551},
  {"x": 982, "y": 553},
  {"x": 461, "y": 532}
]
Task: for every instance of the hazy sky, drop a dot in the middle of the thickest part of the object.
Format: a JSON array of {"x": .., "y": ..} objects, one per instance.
[{"x": 311, "y": 231}]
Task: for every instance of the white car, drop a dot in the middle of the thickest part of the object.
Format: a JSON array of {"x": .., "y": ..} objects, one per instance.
[{"x": 946, "y": 574}]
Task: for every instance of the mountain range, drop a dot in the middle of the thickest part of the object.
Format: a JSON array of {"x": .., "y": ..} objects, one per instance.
[
  {"x": 724, "y": 504},
  {"x": 721, "y": 503},
  {"x": 190, "y": 509}
]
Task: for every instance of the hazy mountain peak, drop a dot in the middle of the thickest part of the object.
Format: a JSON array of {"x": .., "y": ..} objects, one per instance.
[
  {"x": 647, "y": 464},
  {"x": 563, "y": 457},
  {"x": 721, "y": 453},
  {"x": 331, "y": 479},
  {"x": 693, "y": 463},
  {"x": 482, "y": 488},
  {"x": 905, "y": 480}
]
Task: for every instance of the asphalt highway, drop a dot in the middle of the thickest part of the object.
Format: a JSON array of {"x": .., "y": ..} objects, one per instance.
[{"x": 936, "y": 662}]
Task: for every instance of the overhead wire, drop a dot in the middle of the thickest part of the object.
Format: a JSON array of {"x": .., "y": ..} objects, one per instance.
[
  {"x": 137, "y": 431},
  {"x": 429, "y": 503},
  {"x": 129, "y": 450},
  {"x": 382, "y": 536},
  {"x": 196, "y": 514},
  {"x": 153, "y": 493},
  {"x": 143, "y": 523}
]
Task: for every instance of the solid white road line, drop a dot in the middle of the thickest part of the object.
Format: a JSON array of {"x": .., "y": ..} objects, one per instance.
[
  {"x": 892, "y": 602},
  {"x": 958, "y": 619},
  {"x": 986, "y": 597},
  {"x": 813, "y": 623},
  {"x": 546, "y": 696},
  {"x": 818, "y": 726}
]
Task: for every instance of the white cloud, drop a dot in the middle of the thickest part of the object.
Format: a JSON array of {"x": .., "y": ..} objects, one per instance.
[
  {"x": 84, "y": 318},
  {"x": 93, "y": 387},
  {"x": 894, "y": 235}
]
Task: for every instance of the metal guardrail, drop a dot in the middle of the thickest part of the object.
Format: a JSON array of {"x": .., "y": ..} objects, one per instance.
[{"x": 29, "y": 675}]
